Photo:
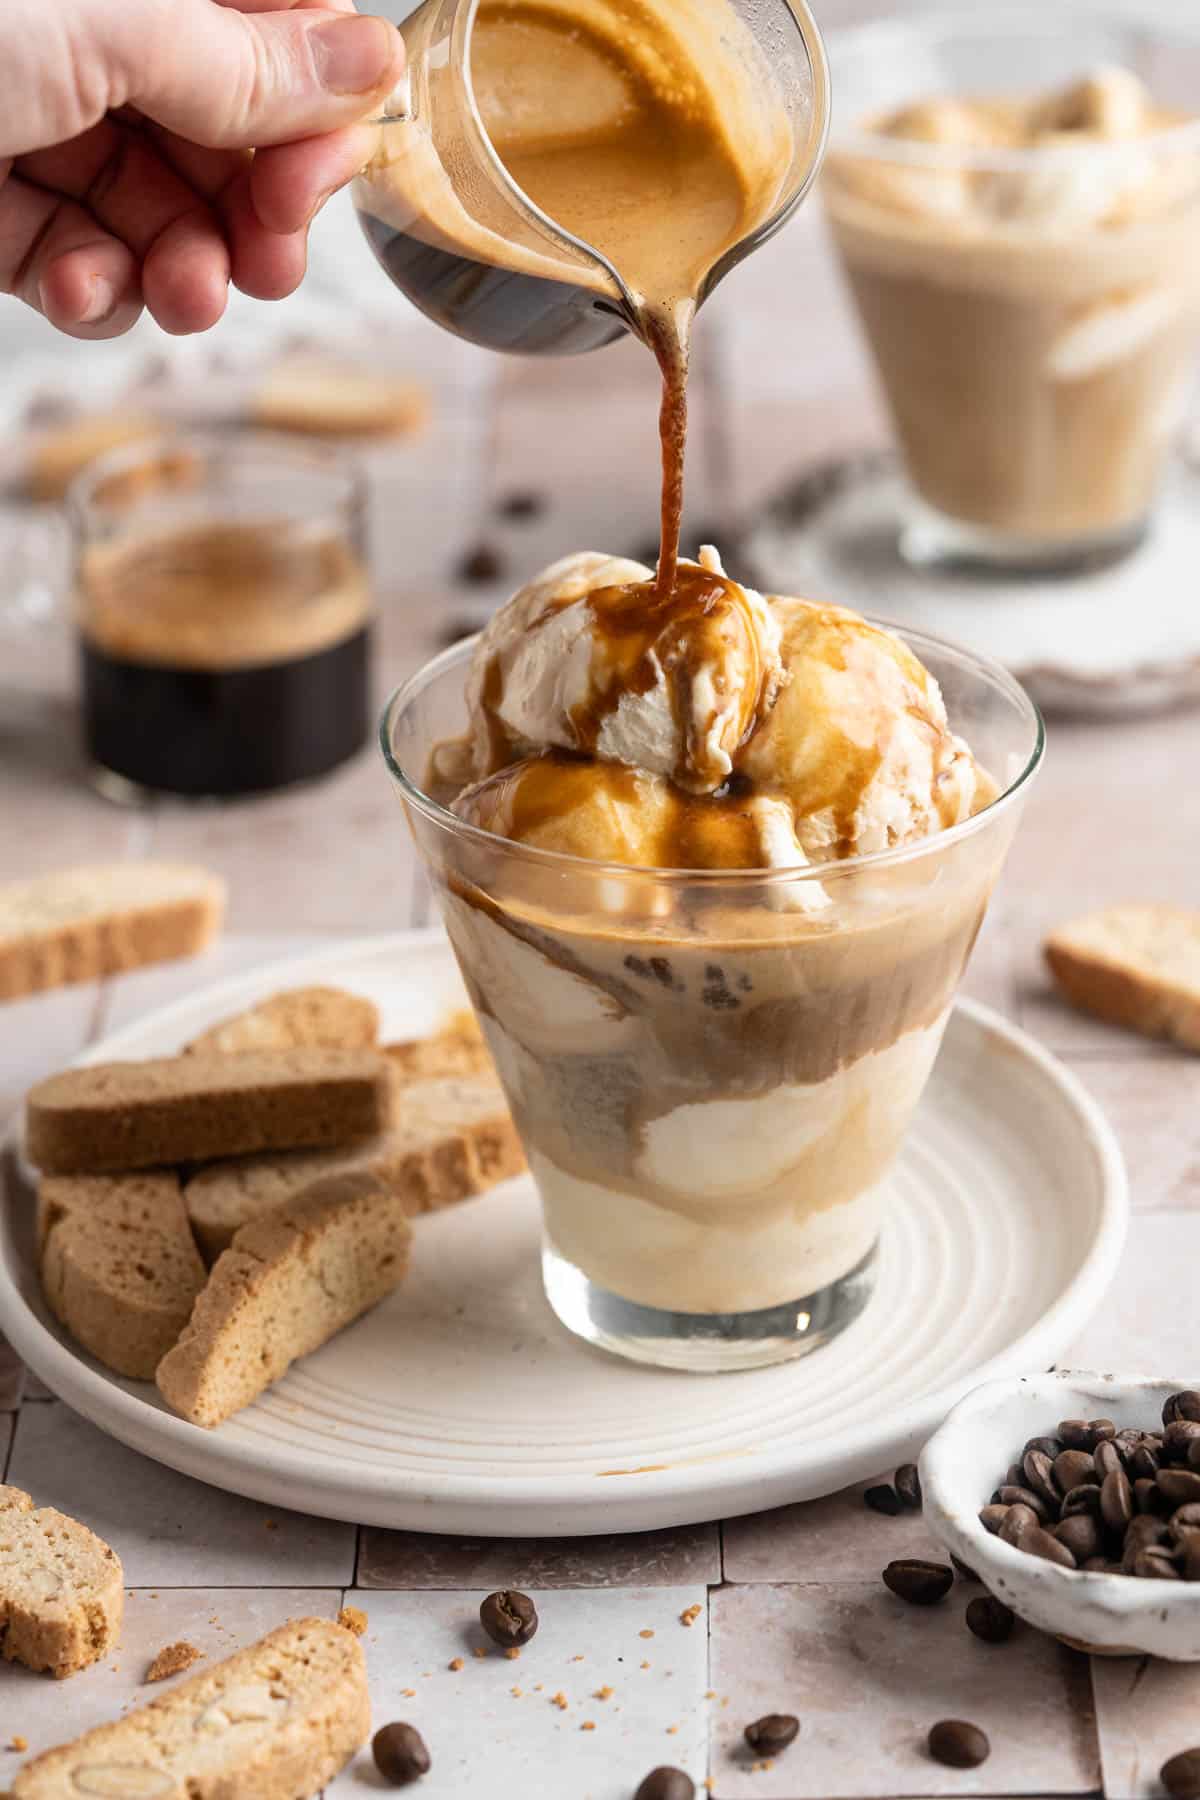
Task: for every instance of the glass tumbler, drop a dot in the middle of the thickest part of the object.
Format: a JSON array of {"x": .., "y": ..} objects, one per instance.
[
  {"x": 1033, "y": 313},
  {"x": 223, "y": 614},
  {"x": 713, "y": 1072}
]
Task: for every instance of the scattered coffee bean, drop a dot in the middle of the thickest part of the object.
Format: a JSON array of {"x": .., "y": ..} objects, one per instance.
[
  {"x": 920, "y": 1583},
  {"x": 523, "y": 503},
  {"x": 1074, "y": 1468},
  {"x": 1180, "y": 1487},
  {"x": 1076, "y": 1434},
  {"x": 1116, "y": 1500},
  {"x": 1039, "y": 1475},
  {"x": 908, "y": 1486},
  {"x": 1081, "y": 1534},
  {"x": 990, "y": 1619},
  {"x": 1044, "y": 1544},
  {"x": 666, "y": 1784},
  {"x": 1180, "y": 1775},
  {"x": 400, "y": 1754},
  {"x": 884, "y": 1500},
  {"x": 958, "y": 1744},
  {"x": 1107, "y": 1458},
  {"x": 992, "y": 1517},
  {"x": 508, "y": 1617},
  {"x": 483, "y": 563},
  {"x": 1023, "y": 1496},
  {"x": 1182, "y": 1406},
  {"x": 1016, "y": 1526},
  {"x": 772, "y": 1733}
]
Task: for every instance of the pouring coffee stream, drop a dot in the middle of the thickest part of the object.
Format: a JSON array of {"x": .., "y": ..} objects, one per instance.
[{"x": 566, "y": 169}]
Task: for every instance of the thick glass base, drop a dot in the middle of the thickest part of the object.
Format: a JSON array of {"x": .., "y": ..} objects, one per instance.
[
  {"x": 704, "y": 1343},
  {"x": 932, "y": 540}
]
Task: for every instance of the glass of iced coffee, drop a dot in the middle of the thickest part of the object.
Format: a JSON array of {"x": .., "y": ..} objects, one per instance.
[
  {"x": 223, "y": 609},
  {"x": 1016, "y": 203},
  {"x": 712, "y": 866}
]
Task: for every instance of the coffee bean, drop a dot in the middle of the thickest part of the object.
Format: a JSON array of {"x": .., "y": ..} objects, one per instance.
[
  {"x": 920, "y": 1583},
  {"x": 1127, "y": 1441},
  {"x": 1155, "y": 1565},
  {"x": 1039, "y": 1475},
  {"x": 1180, "y": 1775},
  {"x": 521, "y": 504},
  {"x": 1148, "y": 1497},
  {"x": 1194, "y": 1455},
  {"x": 772, "y": 1733},
  {"x": 908, "y": 1485},
  {"x": 1074, "y": 1468},
  {"x": 666, "y": 1784},
  {"x": 1100, "y": 1431},
  {"x": 1015, "y": 1527},
  {"x": 1185, "y": 1519},
  {"x": 1015, "y": 1476},
  {"x": 993, "y": 1517},
  {"x": 1185, "y": 1405},
  {"x": 1180, "y": 1486},
  {"x": 1116, "y": 1500},
  {"x": 482, "y": 564},
  {"x": 1084, "y": 1499},
  {"x": 1076, "y": 1434},
  {"x": 508, "y": 1617},
  {"x": 1023, "y": 1496},
  {"x": 1041, "y": 1543},
  {"x": 990, "y": 1619},
  {"x": 1190, "y": 1563},
  {"x": 1081, "y": 1534},
  {"x": 1144, "y": 1461},
  {"x": 1145, "y": 1533},
  {"x": 883, "y": 1500},
  {"x": 1107, "y": 1458},
  {"x": 1178, "y": 1439},
  {"x": 958, "y": 1745},
  {"x": 1047, "y": 1446},
  {"x": 400, "y": 1754},
  {"x": 1097, "y": 1565}
]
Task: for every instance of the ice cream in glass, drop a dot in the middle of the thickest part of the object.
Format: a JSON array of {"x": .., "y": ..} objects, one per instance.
[{"x": 712, "y": 864}]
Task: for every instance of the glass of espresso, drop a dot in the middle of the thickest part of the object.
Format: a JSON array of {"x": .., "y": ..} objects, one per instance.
[{"x": 223, "y": 608}]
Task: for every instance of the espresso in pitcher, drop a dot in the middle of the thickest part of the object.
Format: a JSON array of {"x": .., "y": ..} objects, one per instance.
[{"x": 651, "y": 131}]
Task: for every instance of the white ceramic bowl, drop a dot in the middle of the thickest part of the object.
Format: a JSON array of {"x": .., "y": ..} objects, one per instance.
[{"x": 965, "y": 1461}]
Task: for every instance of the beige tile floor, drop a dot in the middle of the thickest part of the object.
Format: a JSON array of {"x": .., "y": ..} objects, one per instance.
[{"x": 795, "y": 1617}]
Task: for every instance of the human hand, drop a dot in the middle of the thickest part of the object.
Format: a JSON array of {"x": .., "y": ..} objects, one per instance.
[{"x": 126, "y": 179}]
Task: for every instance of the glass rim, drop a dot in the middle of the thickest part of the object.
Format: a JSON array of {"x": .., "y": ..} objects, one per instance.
[
  {"x": 818, "y": 62},
  {"x": 562, "y": 862},
  {"x": 1015, "y": 22},
  {"x": 326, "y": 460}
]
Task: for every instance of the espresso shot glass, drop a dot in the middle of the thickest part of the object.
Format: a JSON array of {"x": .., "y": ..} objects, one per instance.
[{"x": 223, "y": 611}]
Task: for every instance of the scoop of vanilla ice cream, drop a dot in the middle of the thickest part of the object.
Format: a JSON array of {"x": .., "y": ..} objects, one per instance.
[
  {"x": 858, "y": 742},
  {"x": 655, "y": 687},
  {"x": 608, "y": 812}
]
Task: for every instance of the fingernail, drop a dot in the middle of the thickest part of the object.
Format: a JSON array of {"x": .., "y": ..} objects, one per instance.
[
  {"x": 352, "y": 56},
  {"x": 101, "y": 303}
]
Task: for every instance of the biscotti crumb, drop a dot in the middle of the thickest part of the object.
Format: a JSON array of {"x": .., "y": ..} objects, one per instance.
[
  {"x": 172, "y": 1659},
  {"x": 353, "y": 1618},
  {"x": 18, "y": 1743},
  {"x": 456, "y": 1664},
  {"x": 560, "y": 1700},
  {"x": 588, "y": 1725},
  {"x": 604, "y": 1693},
  {"x": 646, "y": 1634},
  {"x": 479, "y": 1652},
  {"x": 512, "y": 1653},
  {"x": 690, "y": 1614}
]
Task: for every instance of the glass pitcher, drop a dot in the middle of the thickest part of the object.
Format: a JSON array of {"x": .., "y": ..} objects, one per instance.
[{"x": 471, "y": 250}]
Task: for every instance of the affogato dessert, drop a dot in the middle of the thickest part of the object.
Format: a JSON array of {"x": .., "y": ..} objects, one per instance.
[
  {"x": 683, "y": 854},
  {"x": 1028, "y": 275}
]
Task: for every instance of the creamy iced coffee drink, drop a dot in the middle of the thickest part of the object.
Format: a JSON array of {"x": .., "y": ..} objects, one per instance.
[
  {"x": 1028, "y": 274},
  {"x": 711, "y": 1071}
]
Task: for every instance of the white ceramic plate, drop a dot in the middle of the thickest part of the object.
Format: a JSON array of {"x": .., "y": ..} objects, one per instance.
[{"x": 461, "y": 1405}]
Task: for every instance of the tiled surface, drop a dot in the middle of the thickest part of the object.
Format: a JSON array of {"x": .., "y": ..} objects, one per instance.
[
  {"x": 797, "y": 1618},
  {"x": 576, "y": 1714}
]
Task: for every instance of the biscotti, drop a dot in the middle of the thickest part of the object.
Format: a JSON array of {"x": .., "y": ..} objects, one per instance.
[
  {"x": 457, "y": 1049},
  {"x": 274, "y": 1722},
  {"x": 332, "y": 400},
  {"x": 119, "y": 1266},
  {"x": 1135, "y": 965},
  {"x": 59, "y": 455},
  {"x": 86, "y": 923},
  {"x": 448, "y": 1140},
  {"x": 289, "y": 1281},
  {"x": 327, "y": 1017},
  {"x": 136, "y": 1115},
  {"x": 62, "y": 1590}
]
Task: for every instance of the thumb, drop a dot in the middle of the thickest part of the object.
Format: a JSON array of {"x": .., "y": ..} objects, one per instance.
[{"x": 234, "y": 80}]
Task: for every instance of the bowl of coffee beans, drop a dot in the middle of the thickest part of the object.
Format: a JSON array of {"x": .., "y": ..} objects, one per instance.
[{"x": 1076, "y": 1500}]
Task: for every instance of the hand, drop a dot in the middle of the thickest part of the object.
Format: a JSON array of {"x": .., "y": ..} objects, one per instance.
[{"x": 126, "y": 131}]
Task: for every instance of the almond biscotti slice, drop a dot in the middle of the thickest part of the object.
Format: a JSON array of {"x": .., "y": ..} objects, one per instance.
[
  {"x": 82, "y": 924},
  {"x": 456, "y": 1049},
  {"x": 448, "y": 1140},
  {"x": 289, "y": 1281},
  {"x": 274, "y": 1722},
  {"x": 136, "y": 1115},
  {"x": 120, "y": 1268},
  {"x": 324, "y": 1016},
  {"x": 1134, "y": 965},
  {"x": 62, "y": 1590}
]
